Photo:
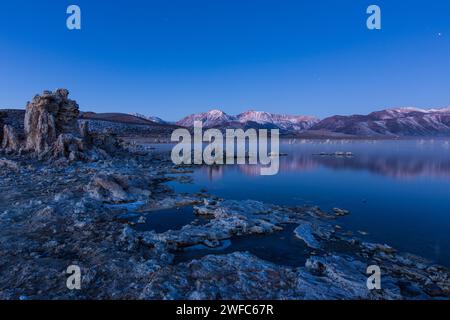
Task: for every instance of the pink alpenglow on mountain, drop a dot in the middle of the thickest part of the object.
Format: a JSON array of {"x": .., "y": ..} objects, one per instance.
[
  {"x": 250, "y": 119},
  {"x": 285, "y": 122},
  {"x": 212, "y": 118}
]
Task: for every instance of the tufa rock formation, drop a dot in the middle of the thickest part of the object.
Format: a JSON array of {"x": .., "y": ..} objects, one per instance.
[
  {"x": 47, "y": 117},
  {"x": 51, "y": 130},
  {"x": 11, "y": 127},
  {"x": 10, "y": 141}
]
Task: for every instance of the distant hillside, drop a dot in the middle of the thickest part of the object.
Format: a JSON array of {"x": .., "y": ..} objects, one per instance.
[
  {"x": 127, "y": 125},
  {"x": 151, "y": 118},
  {"x": 121, "y": 124},
  {"x": 116, "y": 117}
]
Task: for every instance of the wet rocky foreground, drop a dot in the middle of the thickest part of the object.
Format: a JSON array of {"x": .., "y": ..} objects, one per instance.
[
  {"x": 73, "y": 198},
  {"x": 96, "y": 215}
]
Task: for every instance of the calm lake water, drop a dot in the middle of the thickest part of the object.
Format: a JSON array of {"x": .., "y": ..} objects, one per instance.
[{"x": 397, "y": 191}]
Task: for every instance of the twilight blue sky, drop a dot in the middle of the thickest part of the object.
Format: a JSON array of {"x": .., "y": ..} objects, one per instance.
[{"x": 170, "y": 58}]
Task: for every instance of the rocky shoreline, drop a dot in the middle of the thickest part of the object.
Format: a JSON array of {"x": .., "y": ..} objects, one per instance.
[
  {"x": 53, "y": 216},
  {"x": 65, "y": 196}
]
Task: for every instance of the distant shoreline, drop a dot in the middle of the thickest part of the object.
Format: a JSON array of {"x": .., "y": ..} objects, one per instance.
[{"x": 131, "y": 127}]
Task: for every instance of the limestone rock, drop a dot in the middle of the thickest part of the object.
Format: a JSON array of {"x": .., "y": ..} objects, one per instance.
[
  {"x": 340, "y": 212},
  {"x": 10, "y": 139},
  {"x": 106, "y": 187},
  {"x": 9, "y": 164},
  {"x": 68, "y": 146},
  {"x": 48, "y": 116},
  {"x": 306, "y": 233},
  {"x": 51, "y": 131},
  {"x": 84, "y": 132}
]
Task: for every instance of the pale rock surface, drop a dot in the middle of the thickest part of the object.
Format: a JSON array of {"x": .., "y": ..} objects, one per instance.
[
  {"x": 10, "y": 139},
  {"x": 48, "y": 116}
]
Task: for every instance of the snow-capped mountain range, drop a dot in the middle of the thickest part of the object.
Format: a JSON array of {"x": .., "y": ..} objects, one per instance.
[
  {"x": 250, "y": 119},
  {"x": 212, "y": 118},
  {"x": 389, "y": 122}
]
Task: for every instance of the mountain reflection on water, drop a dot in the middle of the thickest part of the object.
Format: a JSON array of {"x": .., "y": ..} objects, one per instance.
[
  {"x": 397, "y": 191},
  {"x": 396, "y": 159}
]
